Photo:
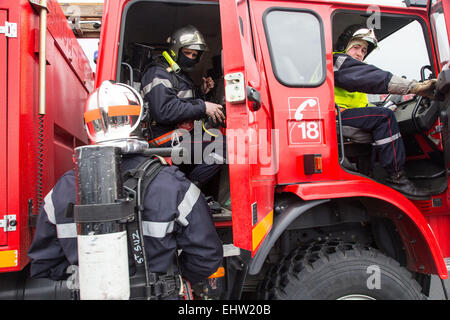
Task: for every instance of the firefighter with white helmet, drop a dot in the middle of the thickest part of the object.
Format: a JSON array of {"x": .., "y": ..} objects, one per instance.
[
  {"x": 364, "y": 37},
  {"x": 114, "y": 115},
  {"x": 175, "y": 104},
  {"x": 353, "y": 79},
  {"x": 179, "y": 237}
]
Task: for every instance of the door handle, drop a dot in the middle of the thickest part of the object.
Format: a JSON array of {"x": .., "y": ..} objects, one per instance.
[{"x": 254, "y": 96}]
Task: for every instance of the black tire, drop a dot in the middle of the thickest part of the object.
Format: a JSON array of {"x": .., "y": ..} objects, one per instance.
[{"x": 331, "y": 270}]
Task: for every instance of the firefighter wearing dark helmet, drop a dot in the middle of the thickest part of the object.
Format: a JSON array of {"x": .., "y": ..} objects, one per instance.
[
  {"x": 175, "y": 214},
  {"x": 353, "y": 79},
  {"x": 175, "y": 104}
]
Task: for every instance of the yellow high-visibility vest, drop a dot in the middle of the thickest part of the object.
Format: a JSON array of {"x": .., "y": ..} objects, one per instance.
[{"x": 349, "y": 100}]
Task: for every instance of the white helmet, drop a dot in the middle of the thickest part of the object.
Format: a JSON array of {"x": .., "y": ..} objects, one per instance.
[
  {"x": 112, "y": 116},
  {"x": 367, "y": 35}
]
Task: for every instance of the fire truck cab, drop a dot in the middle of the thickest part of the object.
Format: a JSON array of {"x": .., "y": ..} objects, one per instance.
[{"x": 310, "y": 216}]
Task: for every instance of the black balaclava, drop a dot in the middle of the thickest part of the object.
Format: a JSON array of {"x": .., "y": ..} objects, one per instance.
[{"x": 187, "y": 64}]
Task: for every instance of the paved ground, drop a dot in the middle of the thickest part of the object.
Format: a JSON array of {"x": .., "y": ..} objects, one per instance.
[{"x": 436, "y": 291}]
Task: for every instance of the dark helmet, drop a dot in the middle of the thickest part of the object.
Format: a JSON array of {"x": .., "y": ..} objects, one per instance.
[{"x": 188, "y": 37}]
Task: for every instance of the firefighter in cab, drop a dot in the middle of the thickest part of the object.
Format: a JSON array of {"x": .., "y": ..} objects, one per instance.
[
  {"x": 353, "y": 79},
  {"x": 178, "y": 234},
  {"x": 175, "y": 104}
]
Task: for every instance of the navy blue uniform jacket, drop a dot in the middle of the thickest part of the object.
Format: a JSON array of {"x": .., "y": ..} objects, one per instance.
[
  {"x": 353, "y": 75},
  {"x": 171, "y": 101},
  {"x": 176, "y": 216}
]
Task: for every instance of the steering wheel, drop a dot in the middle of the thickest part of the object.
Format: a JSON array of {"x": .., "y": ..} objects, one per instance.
[{"x": 419, "y": 100}]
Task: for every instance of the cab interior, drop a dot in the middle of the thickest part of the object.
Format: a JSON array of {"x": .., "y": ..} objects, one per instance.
[
  {"x": 146, "y": 26},
  {"x": 418, "y": 117}
]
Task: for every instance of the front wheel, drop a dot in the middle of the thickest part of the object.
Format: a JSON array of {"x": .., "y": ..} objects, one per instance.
[{"x": 335, "y": 270}]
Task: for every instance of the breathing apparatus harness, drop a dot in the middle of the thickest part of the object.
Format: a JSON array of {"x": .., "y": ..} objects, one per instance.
[
  {"x": 128, "y": 210},
  {"x": 136, "y": 182}
]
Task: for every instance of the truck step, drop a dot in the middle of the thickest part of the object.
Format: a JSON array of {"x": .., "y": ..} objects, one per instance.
[{"x": 223, "y": 215}]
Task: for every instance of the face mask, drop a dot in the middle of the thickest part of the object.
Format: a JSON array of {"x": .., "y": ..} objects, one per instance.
[{"x": 185, "y": 63}]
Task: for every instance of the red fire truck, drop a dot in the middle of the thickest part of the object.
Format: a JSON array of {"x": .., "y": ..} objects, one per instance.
[
  {"x": 45, "y": 78},
  {"x": 307, "y": 222},
  {"x": 310, "y": 217}
]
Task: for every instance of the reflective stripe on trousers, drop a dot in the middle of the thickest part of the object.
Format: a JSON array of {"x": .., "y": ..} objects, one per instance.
[{"x": 382, "y": 124}]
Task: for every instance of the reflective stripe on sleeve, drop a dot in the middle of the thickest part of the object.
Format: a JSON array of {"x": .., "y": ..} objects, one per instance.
[
  {"x": 157, "y": 229},
  {"x": 66, "y": 230},
  {"x": 49, "y": 208},
  {"x": 185, "y": 207},
  {"x": 63, "y": 230},
  {"x": 339, "y": 61},
  {"x": 155, "y": 82},
  {"x": 185, "y": 94}
]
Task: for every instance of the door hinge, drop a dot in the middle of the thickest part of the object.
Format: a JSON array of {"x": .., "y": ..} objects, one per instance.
[
  {"x": 9, "y": 29},
  {"x": 8, "y": 223}
]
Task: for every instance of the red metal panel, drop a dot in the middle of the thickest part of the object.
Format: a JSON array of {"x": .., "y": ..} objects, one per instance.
[
  {"x": 11, "y": 140},
  {"x": 3, "y": 104},
  {"x": 69, "y": 80},
  {"x": 423, "y": 249},
  {"x": 441, "y": 228}
]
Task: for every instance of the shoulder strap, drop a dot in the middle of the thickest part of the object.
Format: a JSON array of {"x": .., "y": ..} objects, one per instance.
[
  {"x": 143, "y": 175},
  {"x": 153, "y": 169},
  {"x": 136, "y": 182}
]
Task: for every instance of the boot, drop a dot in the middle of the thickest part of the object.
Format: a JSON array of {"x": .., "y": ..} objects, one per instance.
[{"x": 398, "y": 181}]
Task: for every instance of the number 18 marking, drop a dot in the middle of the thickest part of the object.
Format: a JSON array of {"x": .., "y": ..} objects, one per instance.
[
  {"x": 310, "y": 130},
  {"x": 306, "y": 131}
]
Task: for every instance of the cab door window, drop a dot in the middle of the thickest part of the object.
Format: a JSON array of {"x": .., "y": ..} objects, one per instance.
[{"x": 296, "y": 45}]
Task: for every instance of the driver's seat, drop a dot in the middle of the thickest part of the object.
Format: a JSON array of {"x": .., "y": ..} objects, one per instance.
[
  {"x": 357, "y": 145},
  {"x": 357, "y": 135}
]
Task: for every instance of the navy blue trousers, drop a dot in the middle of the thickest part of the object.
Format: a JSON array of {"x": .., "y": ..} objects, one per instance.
[{"x": 382, "y": 124}]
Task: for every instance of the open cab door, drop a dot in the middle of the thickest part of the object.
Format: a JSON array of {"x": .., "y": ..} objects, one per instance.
[
  {"x": 250, "y": 140},
  {"x": 439, "y": 15}
]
